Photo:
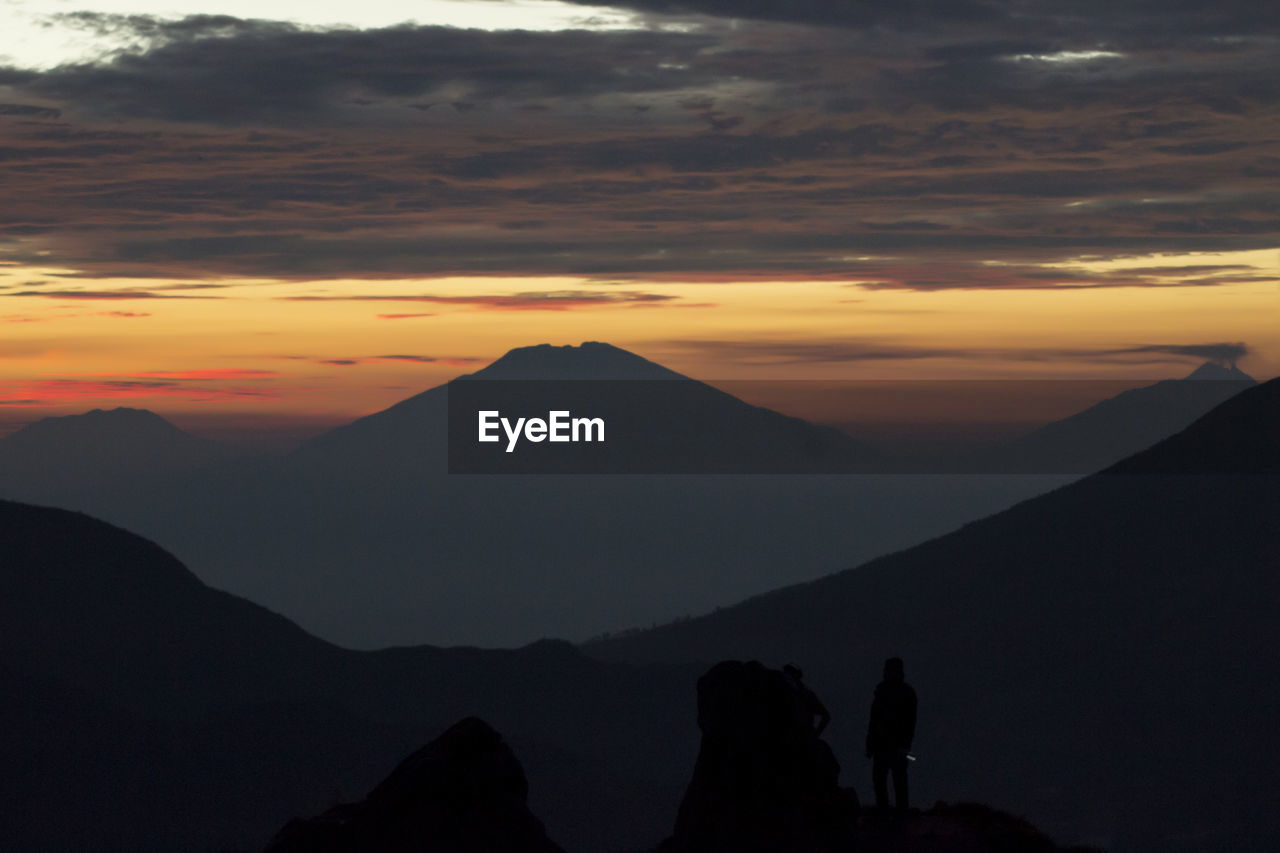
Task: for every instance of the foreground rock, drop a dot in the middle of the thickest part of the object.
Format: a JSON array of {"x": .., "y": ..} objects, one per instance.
[
  {"x": 464, "y": 792},
  {"x": 763, "y": 780},
  {"x": 955, "y": 828}
]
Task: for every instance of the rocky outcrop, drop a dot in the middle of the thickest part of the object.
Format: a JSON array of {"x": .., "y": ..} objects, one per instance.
[
  {"x": 763, "y": 780},
  {"x": 955, "y": 828},
  {"x": 464, "y": 792}
]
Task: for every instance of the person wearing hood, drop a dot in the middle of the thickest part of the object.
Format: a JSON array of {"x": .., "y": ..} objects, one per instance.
[{"x": 889, "y": 734}]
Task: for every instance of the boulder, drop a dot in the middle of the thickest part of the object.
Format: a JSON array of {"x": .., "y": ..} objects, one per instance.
[
  {"x": 763, "y": 781},
  {"x": 465, "y": 792}
]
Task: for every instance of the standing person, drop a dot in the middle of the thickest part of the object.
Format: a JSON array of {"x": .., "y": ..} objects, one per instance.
[{"x": 889, "y": 734}]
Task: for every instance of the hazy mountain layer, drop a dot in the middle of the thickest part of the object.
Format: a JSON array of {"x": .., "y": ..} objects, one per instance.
[{"x": 362, "y": 538}]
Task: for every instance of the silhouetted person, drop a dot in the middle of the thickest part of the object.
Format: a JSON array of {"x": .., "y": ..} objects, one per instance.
[
  {"x": 808, "y": 699},
  {"x": 889, "y": 734}
]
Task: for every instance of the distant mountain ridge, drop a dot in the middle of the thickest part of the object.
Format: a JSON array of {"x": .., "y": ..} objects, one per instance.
[
  {"x": 368, "y": 511},
  {"x": 1119, "y": 426},
  {"x": 115, "y": 439},
  {"x": 88, "y": 461}
]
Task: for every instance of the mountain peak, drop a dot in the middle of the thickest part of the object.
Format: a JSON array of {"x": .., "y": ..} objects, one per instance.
[
  {"x": 103, "y": 440},
  {"x": 588, "y": 360},
  {"x": 1213, "y": 370},
  {"x": 97, "y": 421}
]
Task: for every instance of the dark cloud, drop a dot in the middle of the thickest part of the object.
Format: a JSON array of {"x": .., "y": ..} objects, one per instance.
[
  {"x": 425, "y": 359},
  {"x": 221, "y": 70},
  {"x": 1148, "y": 18},
  {"x": 1220, "y": 353},
  {"x": 865, "y": 349},
  {"x": 692, "y": 153},
  {"x": 907, "y": 14},
  {"x": 49, "y": 392},
  {"x": 549, "y": 300},
  {"x": 951, "y": 133},
  {"x": 813, "y": 352},
  {"x": 29, "y": 110},
  {"x": 731, "y": 251},
  {"x": 103, "y": 294}
]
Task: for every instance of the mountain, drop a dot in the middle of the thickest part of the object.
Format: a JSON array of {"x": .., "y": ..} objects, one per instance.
[
  {"x": 590, "y": 360},
  {"x": 120, "y": 439},
  {"x": 1118, "y": 426},
  {"x": 1099, "y": 659},
  {"x": 660, "y": 422},
  {"x": 1213, "y": 371},
  {"x": 1103, "y": 657},
  {"x": 60, "y": 459},
  {"x": 142, "y": 710},
  {"x": 363, "y": 537}
]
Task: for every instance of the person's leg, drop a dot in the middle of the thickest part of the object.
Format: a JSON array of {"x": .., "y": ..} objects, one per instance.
[
  {"x": 900, "y": 798},
  {"x": 880, "y": 780}
]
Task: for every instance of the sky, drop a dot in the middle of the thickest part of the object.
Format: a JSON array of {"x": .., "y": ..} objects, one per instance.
[{"x": 288, "y": 212}]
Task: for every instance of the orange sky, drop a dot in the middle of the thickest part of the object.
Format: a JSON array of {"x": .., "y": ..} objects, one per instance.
[{"x": 328, "y": 352}]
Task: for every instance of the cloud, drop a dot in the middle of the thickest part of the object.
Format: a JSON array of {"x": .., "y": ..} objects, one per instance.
[
  {"x": 198, "y": 374},
  {"x": 850, "y": 350},
  {"x": 54, "y": 391},
  {"x": 263, "y": 71},
  {"x": 30, "y": 110},
  {"x": 1226, "y": 354},
  {"x": 34, "y": 318},
  {"x": 425, "y": 359},
  {"x": 859, "y": 13},
  {"x": 549, "y": 300},
  {"x": 948, "y": 132},
  {"x": 103, "y": 294},
  {"x": 403, "y": 316}
]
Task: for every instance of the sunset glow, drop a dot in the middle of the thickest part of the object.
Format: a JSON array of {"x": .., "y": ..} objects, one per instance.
[{"x": 310, "y": 212}]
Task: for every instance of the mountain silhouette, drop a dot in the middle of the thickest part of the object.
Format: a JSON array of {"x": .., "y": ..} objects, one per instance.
[
  {"x": 89, "y": 461},
  {"x": 107, "y": 441},
  {"x": 362, "y": 537},
  {"x": 1117, "y": 636},
  {"x": 1119, "y": 426},
  {"x": 1214, "y": 371},
  {"x": 142, "y": 710},
  {"x": 675, "y": 425},
  {"x": 1097, "y": 659},
  {"x": 367, "y": 513}
]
